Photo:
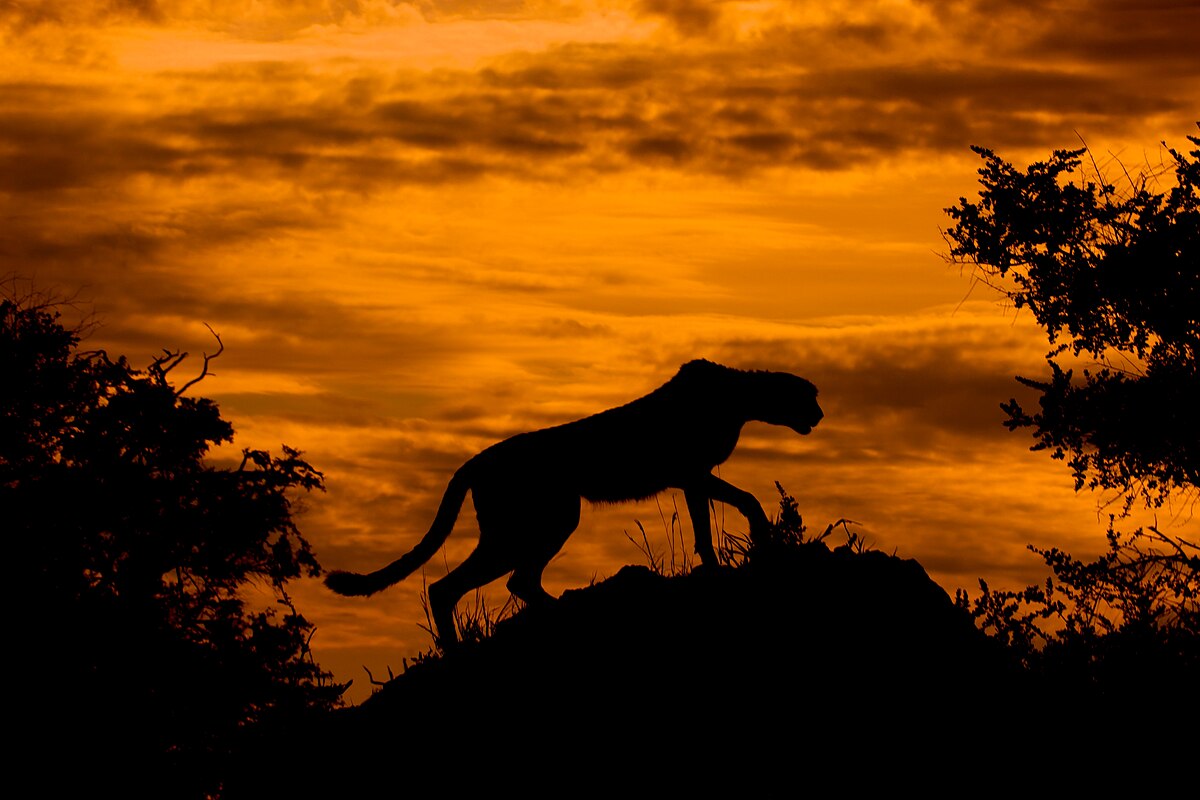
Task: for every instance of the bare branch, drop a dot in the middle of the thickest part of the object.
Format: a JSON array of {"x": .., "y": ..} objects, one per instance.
[
  {"x": 207, "y": 358},
  {"x": 163, "y": 364}
]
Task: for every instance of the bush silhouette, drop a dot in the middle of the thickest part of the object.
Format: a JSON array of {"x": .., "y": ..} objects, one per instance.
[
  {"x": 1104, "y": 630},
  {"x": 1112, "y": 274},
  {"x": 137, "y": 555}
]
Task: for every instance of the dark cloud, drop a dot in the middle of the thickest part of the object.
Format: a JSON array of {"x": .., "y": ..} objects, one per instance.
[
  {"x": 25, "y": 14},
  {"x": 558, "y": 328},
  {"x": 659, "y": 149},
  {"x": 691, "y": 17},
  {"x": 38, "y": 242},
  {"x": 298, "y": 332},
  {"x": 266, "y": 19},
  {"x": 820, "y": 97},
  {"x": 828, "y": 119},
  {"x": 47, "y": 149},
  {"x": 1155, "y": 34},
  {"x": 472, "y": 9},
  {"x": 485, "y": 121},
  {"x": 910, "y": 390},
  {"x": 772, "y": 144},
  {"x": 576, "y": 67}
]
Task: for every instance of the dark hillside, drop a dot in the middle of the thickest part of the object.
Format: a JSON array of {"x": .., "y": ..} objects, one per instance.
[{"x": 745, "y": 676}]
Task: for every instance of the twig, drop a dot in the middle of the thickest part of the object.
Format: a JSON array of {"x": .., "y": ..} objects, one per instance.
[{"x": 204, "y": 369}]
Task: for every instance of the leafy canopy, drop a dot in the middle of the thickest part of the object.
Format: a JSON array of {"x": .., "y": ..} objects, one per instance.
[
  {"x": 1113, "y": 275},
  {"x": 1114, "y": 278},
  {"x": 139, "y": 556}
]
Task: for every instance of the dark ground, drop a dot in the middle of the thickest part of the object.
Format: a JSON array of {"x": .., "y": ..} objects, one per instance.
[{"x": 854, "y": 667}]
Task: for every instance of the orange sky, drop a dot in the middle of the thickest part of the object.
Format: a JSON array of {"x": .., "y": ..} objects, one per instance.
[{"x": 423, "y": 226}]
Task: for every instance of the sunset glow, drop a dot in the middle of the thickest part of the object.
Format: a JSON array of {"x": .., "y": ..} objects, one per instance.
[{"x": 421, "y": 227}]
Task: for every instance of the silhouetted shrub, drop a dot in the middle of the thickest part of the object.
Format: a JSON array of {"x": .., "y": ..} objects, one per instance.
[
  {"x": 1113, "y": 275},
  {"x": 1107, "y": 628},
  {"x": 138, "y": 556}
]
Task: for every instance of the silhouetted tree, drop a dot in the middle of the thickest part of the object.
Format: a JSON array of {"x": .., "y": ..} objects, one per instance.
[
  {"x": 1113, "y": 275},
  {"x": 138, "y": 556}
]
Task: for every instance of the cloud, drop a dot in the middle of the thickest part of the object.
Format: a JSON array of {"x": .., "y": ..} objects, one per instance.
[
  {"x": 237, "y": 15},
  {"x": 831, "y": 94},
  {"x": 909, "y": 384},
  {"x": 504, "y": 123},
  {"x": 690, "y": 17},
  {"x": 1114, "y": 32},
  {"x": 271, "y": 20},
  {"x": 25, "y": 14}
]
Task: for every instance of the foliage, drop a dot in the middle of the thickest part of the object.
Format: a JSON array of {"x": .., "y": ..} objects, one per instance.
[
  {"x": 1131, "y": 615},
  {"x": 1113, "y": 275},
  {"x": 785, "y": 535},
  {"x": 139, "y": 557},
  {"x": 787, "y": 530}
]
